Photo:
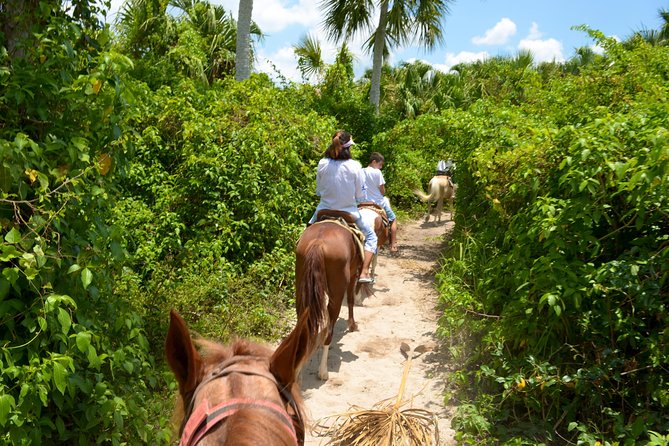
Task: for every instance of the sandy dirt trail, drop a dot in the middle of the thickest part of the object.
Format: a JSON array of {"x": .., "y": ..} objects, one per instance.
[{"x": 366, "y": 366}]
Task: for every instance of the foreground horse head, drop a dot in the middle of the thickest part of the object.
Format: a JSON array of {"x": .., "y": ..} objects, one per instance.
[
  {"x": 238, "y": 394},
  {"x": 327, "y": 267},
  {"x": 439, "y": 189}
]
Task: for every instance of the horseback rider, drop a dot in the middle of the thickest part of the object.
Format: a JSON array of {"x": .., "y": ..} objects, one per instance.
[
  {"x": 376, "y": 191},
  {"x": 340, "y": 184},
  {"x": 446, "y": 168}
]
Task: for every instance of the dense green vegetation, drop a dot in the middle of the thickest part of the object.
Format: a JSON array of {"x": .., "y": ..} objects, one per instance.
[
  {"x": 562, "y": 245},
  {"x": 138, "y": 176}
]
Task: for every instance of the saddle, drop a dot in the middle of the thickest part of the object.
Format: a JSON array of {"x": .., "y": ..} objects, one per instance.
[
  {"x": 345, "y": 220},
  {"x": 378, "y": 209},
  {"x": 329, "y": 214}
]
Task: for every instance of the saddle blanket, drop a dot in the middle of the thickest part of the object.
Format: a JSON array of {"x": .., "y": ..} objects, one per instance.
[{"x": 358, "y": 236}]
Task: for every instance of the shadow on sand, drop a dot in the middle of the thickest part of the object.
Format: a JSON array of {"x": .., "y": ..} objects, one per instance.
[{"x": 309, "y": 375}]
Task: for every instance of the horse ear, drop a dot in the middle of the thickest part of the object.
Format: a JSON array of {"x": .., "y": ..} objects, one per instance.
[
  {"x": 292, "y": 352},
  {"x": 182, "y": 357}
]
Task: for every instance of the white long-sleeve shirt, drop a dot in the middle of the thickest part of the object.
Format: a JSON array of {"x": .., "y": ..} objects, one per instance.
[{"x": 340, "y": 184}]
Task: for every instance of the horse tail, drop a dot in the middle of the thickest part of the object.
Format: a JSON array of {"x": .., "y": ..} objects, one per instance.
[
  {"x": 432, "y": 195},
  {"x": 313, "y": 286}
]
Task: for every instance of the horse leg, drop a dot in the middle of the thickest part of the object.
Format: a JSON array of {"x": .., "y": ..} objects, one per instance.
[
  {"x": 375, "y": 259},
  {"x": 440, "y": 207},
  {"x": 325, "y": 338},
  {"x": 350, "y": 298},
  {"x": 336, "y": 296},
  {"x": 323, "y": 367}
]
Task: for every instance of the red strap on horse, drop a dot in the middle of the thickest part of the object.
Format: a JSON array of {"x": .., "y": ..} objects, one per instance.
[{"x": 204, "y": 418}]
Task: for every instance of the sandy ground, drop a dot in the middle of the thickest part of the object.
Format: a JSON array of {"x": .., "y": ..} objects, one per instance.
[{"x": 366, "y": 366}]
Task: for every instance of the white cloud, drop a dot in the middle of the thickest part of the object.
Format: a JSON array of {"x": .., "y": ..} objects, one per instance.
[
  {"x": 498, "y": 34},
  {"x": 453, "y": 59},
  {"x": 276, "y": 15},
  {"x": 282, "y": 60},
  {"x": 543, "y": 50},
  {"x": 597, "y": 49},
  {"x": 534, "y": 34}
]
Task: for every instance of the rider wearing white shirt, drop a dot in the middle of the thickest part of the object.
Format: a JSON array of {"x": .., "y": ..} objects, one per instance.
[
  {"x": 376, "y": 191},
  {"x": 337, "y": 181},
  {"x": 340, "y": 184}
]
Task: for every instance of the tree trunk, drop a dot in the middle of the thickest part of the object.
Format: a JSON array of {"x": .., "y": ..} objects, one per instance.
[
  {"x": 377, "y": 65},
  {"x": 243, "y": 54},
  {"x": 16, "y": 19}
]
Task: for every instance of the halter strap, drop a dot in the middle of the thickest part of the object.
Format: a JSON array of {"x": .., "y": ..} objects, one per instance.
[{"x": 205, "y": 417}]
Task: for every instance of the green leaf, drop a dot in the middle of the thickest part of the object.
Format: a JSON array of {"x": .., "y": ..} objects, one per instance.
[
  {"x": 93, "y": 358},
  {"x": 6, "y": 404},
  {"x": 11, "y": 274},
  {"x": 128, "y": 366},
  {"x": 21, "y": 140},
  {"x": 39, "y": 256},
  {"x": 30, "y": 273},
  {"x": 13, "y": 236},
  {"x": 83, "y": 341},
  {"x": 86, "y": 277},
  {"x": 59, "y": 377},
  {"x": 65, "y": 320},
  {"x": 73, "y": 268},
  {"x": 9, "y": 252},
  {"x": 43, "y": 395}
]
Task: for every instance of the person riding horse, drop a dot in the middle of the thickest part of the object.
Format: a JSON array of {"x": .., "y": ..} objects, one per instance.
[
  {"x": 340, "y": 184},
  {"x": 446, "y": 168},
  {"x": 376, "y": 190}
]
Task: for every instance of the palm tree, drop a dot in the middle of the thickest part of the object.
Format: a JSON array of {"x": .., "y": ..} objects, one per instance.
[
  {"x": 219, "y": 30},
  {"x": 400, "y": 23},
  {"x": 145, "y": 27},
  {"x": 243, "y": 52},
  {"x": 664, "y": 30},
  {"x": 417, "y": 88},
  {"x": 309, "y": 58}
]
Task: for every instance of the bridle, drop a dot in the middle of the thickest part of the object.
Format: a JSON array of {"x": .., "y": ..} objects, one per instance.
[{"x": 199, "y": 420}]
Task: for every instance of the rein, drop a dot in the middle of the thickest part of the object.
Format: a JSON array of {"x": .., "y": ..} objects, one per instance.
[{"x": 200, "y": 420}]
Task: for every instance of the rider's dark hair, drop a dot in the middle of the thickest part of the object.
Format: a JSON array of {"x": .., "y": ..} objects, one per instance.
[
  {"x": 376, "y": 156},
  {"x": 336, "y": 151}
]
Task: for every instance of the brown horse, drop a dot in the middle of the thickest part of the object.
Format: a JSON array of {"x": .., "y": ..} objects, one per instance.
[
  {"x": 239, "y": 394},
  {"x": 439, "y": 189},
  {"x": 328, "y": 263}
]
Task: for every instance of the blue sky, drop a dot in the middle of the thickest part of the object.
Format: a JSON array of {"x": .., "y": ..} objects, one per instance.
[{"x": 474, "y": 29}]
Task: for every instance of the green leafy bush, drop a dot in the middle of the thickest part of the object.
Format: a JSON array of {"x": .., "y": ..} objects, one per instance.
[
  {"x": 559, "y": 264},
  {"x": 65, "y": 377},
  {"x": 217, "y": 192}
]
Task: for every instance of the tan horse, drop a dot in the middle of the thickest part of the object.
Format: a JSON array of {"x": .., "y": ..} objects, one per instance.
[
  {"x": 328, "y": 264},
  {"x": 439, "y": 189},
  {"x": 238, "y": 394}
]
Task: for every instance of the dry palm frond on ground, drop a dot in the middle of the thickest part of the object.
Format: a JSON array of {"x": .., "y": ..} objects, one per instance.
[{"x": 386, "y": 424}]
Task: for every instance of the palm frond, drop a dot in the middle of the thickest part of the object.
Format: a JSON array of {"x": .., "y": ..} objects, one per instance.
[{"x": 388, "y": 422}]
